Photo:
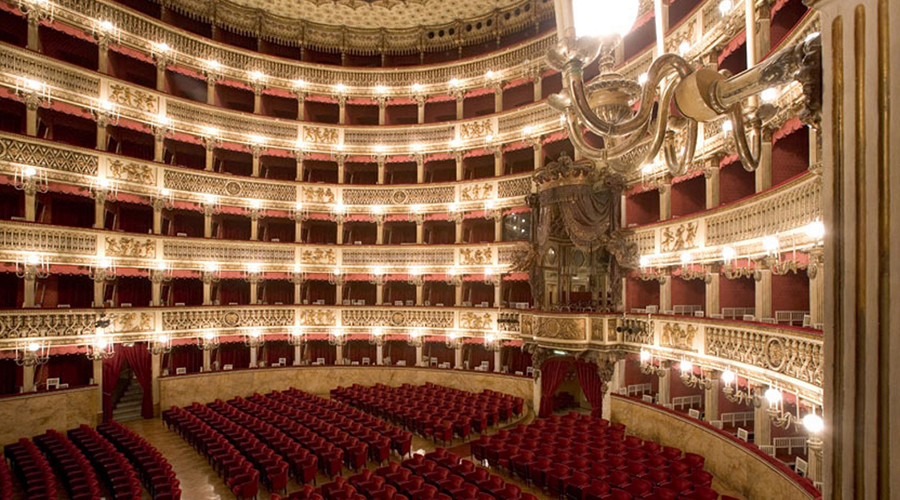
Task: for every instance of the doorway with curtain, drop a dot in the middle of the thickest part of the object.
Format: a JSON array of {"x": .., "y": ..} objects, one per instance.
[{"x": 568, "y": 381}]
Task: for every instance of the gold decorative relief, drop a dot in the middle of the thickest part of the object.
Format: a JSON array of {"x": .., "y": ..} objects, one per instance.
[
  {"x": 133, "y": 98},
  {"x": 317, "y": 256},
  {"x": 316, "y": 318},
  {"x": 132, "y": 172},
  {"x": 130, "y": 247},
  {"x": 476, "y": 130},
  {"x": 475, "y": 256},
  {"x": 320, "y": 135},
  {"x": 477, "y": 192},
  {"x": 559, "y": 328},
  {"x": 476, "y": 321},
  {"x": 318, "y": 195},
  {"x": 597, "y": 329},
  {"x": 678, "y": 337},
  {"x": 131, "y": 322},
  {"x": 680, "y": 238}
]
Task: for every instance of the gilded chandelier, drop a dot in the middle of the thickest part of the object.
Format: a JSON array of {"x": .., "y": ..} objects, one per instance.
[{"x": 589, "y": 31}]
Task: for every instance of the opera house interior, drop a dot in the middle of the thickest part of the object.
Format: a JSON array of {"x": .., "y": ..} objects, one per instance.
[{"x": 449, "y": 249}]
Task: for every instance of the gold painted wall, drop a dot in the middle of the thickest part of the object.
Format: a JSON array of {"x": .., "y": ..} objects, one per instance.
[
  {"x": 206, "y": 387},
  {"x": 33, "y": 414},
  {"x": 740, "y": 469}
]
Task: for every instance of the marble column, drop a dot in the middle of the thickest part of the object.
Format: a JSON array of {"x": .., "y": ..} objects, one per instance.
[
  {"x": 458, "y": 294},
  {"x": 257, "y": 98},
  {"x": 460, "y": 100},
  {"x": 379, "y": 293},
  {"x": 342, "y": 110},
  {"x": 860, "y": 140},
  {"x": 457, "y": 357},
  {"x": 210, "y": 144},
  {"x": 711, "y": 395},
  {"x": 498, "y": 97},
  {"x": 420, "y": 230},
  {"x": 208, "y": 280},
  {"x": 31, "y": 203},
  {"x": 99, "y": 290},
  {"x": 420, "y": 355},
  {"x": 301, "y": 105},
  {"x": 498, "y": 360},
  {"x": 34, "y": 23},
  {"x": 420, "y": 294},
  {"x": 298, "y": 354},
  {"x": 380, "y": 161},
  {"x": 420, "y": 109},
  {"x": 762, "y": 425},
  {"x": 28, "y": 289},
  {"x": 420, "y": 169},
  {"x": 498, "y": 294},
  {"x": 211, "y": 88},
  {"x": 382, "y": 110},
  {"x": 712, "y": 186},
  {"x": 161, "y": 63},
  {"x": 340, "y": 231},
  {"x": 460, "y": 166},
  {"x": 207, "y": 360},
  {"x": 379, "y": 354},
  {"x": 256, "y": 152},
  {"x": 254, "y": 352},
  {"x": 254, "y": 280},
  {"x": 300, "y": 158},
  {"x": 99, "y": 209},
  {"x": 379, "y": 231},
  {"x": 97, "y": 379},
  {"x": 159, "y": 143},
  {"x": 340, "y": 163},
  {"x": 498, "y": 162},
  {"x": 665, "y": 295},
  {"x": 102, "y": 122},
  {"x": 538, "y": 81},
  {"x": 459, "y": 231},
  {"x": 254, "y": 225},
  {"x": 339, "y": 354},
  {"x": 665, "y": 200},
  {"x": 32, "y": 103},
  {"x": 498, "y": 228},
  {"x": 816, "y": 274},
  {"x": 665, "y": 383},
  {"x": 156, "y": 280},
  {"x": 28, "y": 378}
]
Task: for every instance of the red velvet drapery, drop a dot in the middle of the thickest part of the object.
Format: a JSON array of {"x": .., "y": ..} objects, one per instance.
[
  {"x": 553, "y": 372},
  {"x": 139, "y": 359},
  {"x": 591, "y": 385},
  {"x": 112, "y": 367}
]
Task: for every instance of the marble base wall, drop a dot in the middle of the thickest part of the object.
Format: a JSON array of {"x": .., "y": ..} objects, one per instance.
[
  {"x": 183, "y": 390},
  {"x": 739, "y": 468},
  {"x": 32, "y": 414}
]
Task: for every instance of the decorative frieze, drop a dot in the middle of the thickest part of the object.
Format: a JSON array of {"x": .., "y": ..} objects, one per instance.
[{"x": 425, "y": 318}]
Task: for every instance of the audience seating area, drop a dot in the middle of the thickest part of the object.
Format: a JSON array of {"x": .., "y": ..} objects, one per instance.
[
  {"x": 32, "y": 469},
  {"x": 153, "y": 469},
  {"x": 70, "y": 464},
  {"x": 580, "y": 457},
  {"x": 118, "y": 475},
  {"x": 439, "y": 475},
  {"x": 6, "y": 481},
  {"x": 433, "y": 411}
]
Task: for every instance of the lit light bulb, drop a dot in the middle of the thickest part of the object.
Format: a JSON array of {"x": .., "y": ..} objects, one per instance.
[
  {"x": 773, "y": 396},
  {"x": 33, "y": 259},
  {"x": 103, "y": 182},
  {"x": 727, "y": 126},
  {"x": 30, "y": 172},
  {"x": 813, "y": 423},
  {"x": 377, "y": 331},
  {"x": 299, "y": 83},
  {"x": 454, "y": 207},
  {"x": 454, "y": 271},
  {"x": 645, "y": 356},
  {"x": 161, "y": 265},
  {"x": 642, "y": 79},
  {"x": 416, "y": 208},
  {"x": 379, "y": 148},
  {"x": 213, "y": 64},
  {"x": 728, "y": 254},
  {"x": 647, "y": 169},
  {"x": 255, "y": 204},
  {"x": 32, "y": 84},
  {"x": 416, "y": 147},
  {"x": 165, "y": 192},
  {"x": 209, "y": 335},
  {"x": 725, "y": 7},
  {"x": 378, "y": 271},
  {"x": 337, "y": 271},
  {"x": 684, "y": 48},
  {"x": 104, "y": 263},
  {"x": 377, "y": 209},
  {"x": 728, "y": 376},
  {"x": 298, "y": 268},
  {"x": 211, "y": 266},
  {"x": 770, "y": 244},
  {"x": 209, "y": 198},
  {"x": 815, "y": 230},
  {"x": 381, "y": 89},
  {"x": 33, "y": 346},
  {"x": 528, "y": 129},
  {"x": 340, "y": 88},
  {"x": 686, "y": 258},
  {"x": 489, "y": 75},
  {"x": 257, "y": 75},
  {"x": 256, "y": 140},
  {"x": 490, "y": 338},
  {"x": 455, "y": 143},
  {"x": 299, "y": 206},
  {"x": 416, "y": 87},
  {"x": 645, "y": 261},
  {"x": 598, "y": 19},
  {"x": 162, "y": 47},
  {"x": 769, "y": 95},
  {"x": 415, "y": 271},
  {"x": 101, "y": 343},
  {"x": 106, "y": 26},
  {"x": 687, "y": 366},
  {"x": 162, "y": 339},
  {"x": 253, "y": 267},
  {"x": 255, "y": 334},
  {"x": 454, "y": 82},
  {"x": 211, "y": 131}
]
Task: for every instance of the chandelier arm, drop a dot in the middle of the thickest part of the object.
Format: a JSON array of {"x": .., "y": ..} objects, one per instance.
[
  {"x": 749, "y": 160},
  {"x": 659, "y": 132},
  {"x": 678, "y": 166},
  {"x": 664, "y": 66},
  {"x": 574, "y": 129}
]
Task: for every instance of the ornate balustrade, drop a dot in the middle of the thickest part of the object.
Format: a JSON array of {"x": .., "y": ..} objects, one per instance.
[
  {"x": 787, "y": 357},
  {"x": 70, "y": 165},
  {"x": 784, "y": 210},
  {"x": 76, "y": 246}
]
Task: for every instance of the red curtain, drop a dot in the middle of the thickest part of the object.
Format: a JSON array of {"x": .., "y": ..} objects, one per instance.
[
  {"x": 233, "y": 290},
  {"x": 440, "y": 351},
  {"x": 183, "y": 356},
  {"x": 275, "y": 349},
  {"x": 321, "y": 349},
  {"x": 517, "y": 359},
  {"x": 279, "y": 291},
  {"x": 139, "y": 359},
  {"x": 9, "y": 291},
  {"x": 112, "y": 367},
  {"x": 553, "y": 372},
  {"x": 236, "y": 354},
  {"x": 10, "y": 376},
  {"x": 75, "y": 290},
  {"x": 476, "y": 354},
  {"x": 400, "y": 349},
  {"x": 356, "y": 350},
  {"x": 591, "y": 385},
  {"x": 187, "y": 291},
  {"x": 134, "y": 290}
]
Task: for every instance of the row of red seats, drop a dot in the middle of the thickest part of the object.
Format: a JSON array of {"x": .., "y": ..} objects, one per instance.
[
  {"x": 432, "y": 411},
  {"x": 73, "y": 468},
  {"x": 301, "y": 448},
  {"x": 439, "y": 475},
  {"x": 6, "y": 481},
  {"x": 32, "y": 469},
  {"x": 121, "y": 480},
  {"x": 381, "y": 436},
  {"x": 227, "y": 460},
  {"x": 154, "y": 470},
  {"x": 273, "y": 470},
  {"x": 586, "y": 458}
]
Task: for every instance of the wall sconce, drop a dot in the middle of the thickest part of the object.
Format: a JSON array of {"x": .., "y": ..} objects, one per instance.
[
  {"x": 453, "y": 340},
  {"x": 32, "y": 266},
  {"x": 254, "y": 338},
  {"x": 103, "y": 270},
  {"x": 161, "y": 344},
  {"x": 691, "y": 380},
  {"x": 105, "y": 112},
  {"x": 163, "y": 199},
  {"x": 492, "y": 341},
  {"x": 161, "y": 272},
  {"x": 414, "y": 338},
  {"x": 211, "y": 272},
  {"x": 103, "y": 189},
  {"x": 209, "y": 340},
  {"x": 414, "y": 276},
  {"x": 336, "y": 278},
  {"x": 31, "y": 180},
  {"x": 35, "y": 93},
  {"x": 211, "y": 204},
  {"x": 491, "y": 277},
  {"x": 253, "y": 273},
  {"x": 298, "y": 276},
  {"x": 376, "y": 336},
  {"x": 297, "y": 337},
  {"x": 648, "y": 367},
  {"x": 650, "y": 273},
  {"x": 734, "y": 393},
  {"x": 376, "y": 277},
  {"x": 452, "y": 276},
  {"x": 730, "y": 268},
  {"x": 101, "y": 345},
  {"x": 33, "y": 353},
  {"x": 336, "y": 337},
  {"x": 689, "y": 272},
  {"x": 299, "y": 212}
]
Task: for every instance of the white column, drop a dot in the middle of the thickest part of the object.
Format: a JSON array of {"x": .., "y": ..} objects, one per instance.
[
  {"x": 420, "y": 230},
  {"x": 420, "y": 294},
  {"x": 97, "y": 379},
  {"x": 498, "y": 359},
  {"x": 458, "y": 357},
  {"x": 712, "y": 294},
  {"x": 379, "y": 294},
  {"x": 712, "y": 186},
  {"x": 536, "y": 398},
  {"x": 254, "y": 350},
  {"x": 28, "y": 378},
  {"x": 381, "y": 170},
  {"x": 256, "y": 152},
  {"x": 419, "y": 355},
  {"x": 498, "y": 295},
  {"x": 379, "y": 354},
  {"x": 816, "y": 274},
  {"x": 460, "y": 168},
  {"x": 661, "y": 17},
  {"x": 459, "y": 231},
  {"x": 99, "y": 210},
  {"x": 339, "y": 354},
  {"x": 342, "y": 110},
  {"x": 711, "y": 395},
  {"x": 420, "y": 169},
  {"x": 617, "y": 382},
  {"x": 458, "y": 291},
  {"x": 207, "y": 360},
  {"x": 665, "y": 295},
  {"x": 254, "y": 225},
  {"x": 379, "y": 232},
  {"x": 254, "y": 289},
  {"x": 762, "y": 426},
  {"x": 298, "y": 353},
  {"x": 28, "y": 290},
  {"x": 665, "y": 394},
  {"x": 382, "y": 105},
  {"x": 498, "y": 228},
  {"x": 764, "y": 295},
  {"x": 665, "y": 201},
  {"x": 459, "y": 105},
  {"x": 420, "y": 109},
  {"x": 498, "y": 97}
]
